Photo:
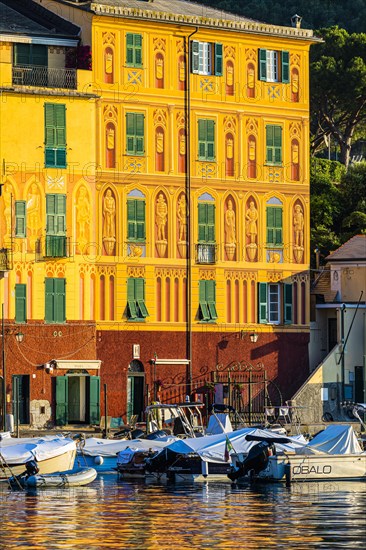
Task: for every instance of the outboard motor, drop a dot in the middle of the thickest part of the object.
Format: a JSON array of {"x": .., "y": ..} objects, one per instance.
[
  {"x": 255, "y": 462},
  {"x": 31, "y": 468}
]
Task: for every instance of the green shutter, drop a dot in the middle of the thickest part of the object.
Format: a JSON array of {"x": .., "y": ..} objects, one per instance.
[
  {"x": 50, "y": 135},
  {"x": 39, "y": 54},
  {"x": 210, "y": 140},
  {"x": 60, "y": 210},
  {"x": 131, "y": 303},
  {"x": 20, "y": 219},
  {"x": 277, "y": 143},
  {"x": 130, "y": 133},
  {"x": 138, "y": 50},
  {"x": 195, "y": 51},
  {"x": 202, "y": 221},
  {"x": 49, "y": 300},
  {"x": 135, "y": 138},
  {"x": 140, "y": 138},
  {"x": 218, "y": 59},
  {"x": 60, "y": 300},
  {"x": 55, "y": 135},
  {"x": 50, "y": 214},
  {"x": 134, "y": 49},
  {"x": 285, "y": 67},
  {"x": 140, "y": 220},
  {"x": 20, "y": 303},
  {"x": 94, "y": 399},
  {"x": 270, "y": 224},
  {"x": 202, "y": 300},
  {"x": 140, "y": 296},
  {"x": 278, "y": 225},
  {"x": 61, "y": 400},
  {"x": 288, "y": 303},
  {"x": 262, "y": 64},
  {"x": 262, "y": 303},
  {"x": 60, "y": 124},
  {"x": 211, "y": 298},
  {"x": 210, "y": 228},
  {"x": 129, "y": 49},
  {"x": 202, "y": 139},
  {"x": 131, "y": 219},
  {"x": 22, "y": 54}
]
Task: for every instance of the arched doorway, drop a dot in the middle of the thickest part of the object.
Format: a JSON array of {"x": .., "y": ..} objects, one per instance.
[{"x": 135, "y": 389}]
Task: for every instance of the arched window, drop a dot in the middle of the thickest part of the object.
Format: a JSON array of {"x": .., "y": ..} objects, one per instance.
[{"x": 159, "y": 71}]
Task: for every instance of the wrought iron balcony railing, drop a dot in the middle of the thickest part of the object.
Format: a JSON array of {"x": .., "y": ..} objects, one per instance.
[
  {"x": 44, "y": 77},
  {"x": 6, "y": 259},
  {"x": 206, "y": 253}
]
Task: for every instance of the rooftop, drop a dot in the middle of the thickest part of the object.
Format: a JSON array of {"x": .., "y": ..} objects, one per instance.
[{"x": 352, "y": 250}]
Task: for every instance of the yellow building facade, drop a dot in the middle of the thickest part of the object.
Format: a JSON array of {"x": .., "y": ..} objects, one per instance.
[{"x": 192, "y": 134}]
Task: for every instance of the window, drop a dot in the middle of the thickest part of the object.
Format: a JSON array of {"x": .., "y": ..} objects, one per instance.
[
  {"x": 207, "y": 301},
  {"x": 206, "y": 223},
  {"x": 20, "y": 219},
  {"x": 20, "y": 303},
  {"x": 274, "y": 66},
  {"x": 55, "y": 300},
  {"x": 206, "y": 58},
  {"x": 30, "y": 54},
  {"x": 206, "y": 140},
  {"x": 270, "y": 298},
  {"x": 56, "y": 226},
  {"x": 55, "y": 135},
  {"x": 274, "y": 226},
  {"x": 273, "y": 144},
  {"x": 136, "y": 220},
  {"x": 133, "y": 50},
  {"x": 136, "y": 308},
  {"x": 135, "y": 141}
]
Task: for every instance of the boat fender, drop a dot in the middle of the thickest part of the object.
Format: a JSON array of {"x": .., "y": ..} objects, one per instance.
[{"x": 98, "y": 460}]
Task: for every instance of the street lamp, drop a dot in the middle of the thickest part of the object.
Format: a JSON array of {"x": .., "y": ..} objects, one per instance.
[
  {"x": 19, "y": 337},
  {"x": 253, "y": 337}
]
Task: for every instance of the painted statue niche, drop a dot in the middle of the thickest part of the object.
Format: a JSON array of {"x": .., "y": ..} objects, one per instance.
[
  {"x": 159, "y": 149},
  {"x": 159, "y": 70},
  {"x": 250, "y": 80},
  {"x": 182, "y": 158},
  {"x": 295, "y": 160},
  {"x": 108, "y": 66},
  {"x": 298, "y": 232},
  {"x": 82, "y": 218},
  {"x": 161, "y": 225},
  {"x": 251, "y": 230},
  {"x": 181, "y": 73},
  {"x": 34, "y": 221},
  {"x": 252, "y": 157},
  {"x": 182, "y": 223},
  {"x": 229, "y": 74},
  {"x": 8, "y": 197},
  {"x": 110, "y": 160},
  {"x": 295, "y": 85},
  {"x": 229, "y": 156},
  {"x": 230, "y": 229},
  {"x": 109, "y": 222}
]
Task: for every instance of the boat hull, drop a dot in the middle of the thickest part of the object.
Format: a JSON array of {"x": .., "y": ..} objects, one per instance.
[
  {"x": 62, "y": 480},
  {"x": 60, "y": 463},
  {"x": 317, "y": 467}
]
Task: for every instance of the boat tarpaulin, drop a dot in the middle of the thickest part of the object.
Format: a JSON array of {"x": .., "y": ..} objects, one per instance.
[
  {"x": 336, "y": 439},
  {"x": 41, "y": 449}
]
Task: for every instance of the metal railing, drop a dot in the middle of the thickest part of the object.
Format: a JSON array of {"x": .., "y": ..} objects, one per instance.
[
  {"x": 206, "y": 253},
  {"x": 44, "y": 77}
]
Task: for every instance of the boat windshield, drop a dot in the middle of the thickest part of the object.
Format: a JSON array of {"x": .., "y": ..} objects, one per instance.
[{"x": 183, "y": 419}]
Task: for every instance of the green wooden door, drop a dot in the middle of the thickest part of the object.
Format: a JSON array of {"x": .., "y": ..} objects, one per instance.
[
  {"x": 20, "y": 390},
  {"x": 93, "y": 399},
  {"x": 62, "y": 398},
  {"x": 130, "y": 388}
]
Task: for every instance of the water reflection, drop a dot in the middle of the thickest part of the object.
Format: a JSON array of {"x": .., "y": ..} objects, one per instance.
[{"x": 116, "y": 514}]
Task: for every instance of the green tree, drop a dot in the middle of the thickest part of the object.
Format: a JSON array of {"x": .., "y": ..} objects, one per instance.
[
  {"x": 338, "y": 89},
  {"x": 353, "y": 205}
]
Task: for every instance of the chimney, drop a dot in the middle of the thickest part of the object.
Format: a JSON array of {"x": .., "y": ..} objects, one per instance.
[{"x": 296, "y": 21}]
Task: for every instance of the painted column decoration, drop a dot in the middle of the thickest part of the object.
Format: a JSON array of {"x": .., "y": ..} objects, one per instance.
[
  {"x": 252, "y": 153},
  {"x": 295, "y": 161},
  {"x": 230, "y": 78},
  {"x": 230, "y": 230},
  {"x": 182, "y": 225},
  {"x": 110, "y": 160},
  {"x": 159, "y": 71},
  {"x": 250, "y": 80},
  {"x": 109, "y": 223},
  {"x": 161, "y": 220},
  {"x": 108, "y": 66},
  {"x": 251, "y": 230},
  {"x": 229, "y": 164},
  {"x": 298, "y": 232},
  {"x": 159, "y": 149},
  {"x": 294, "y": 85},
  {"x": 82, "y": 219}
]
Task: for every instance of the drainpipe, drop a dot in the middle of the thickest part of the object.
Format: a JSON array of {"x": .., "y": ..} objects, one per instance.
[{"x": 189, "y": 217}]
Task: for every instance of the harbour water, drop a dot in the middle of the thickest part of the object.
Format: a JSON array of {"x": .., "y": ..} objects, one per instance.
[{"x": 112, "y": 514}]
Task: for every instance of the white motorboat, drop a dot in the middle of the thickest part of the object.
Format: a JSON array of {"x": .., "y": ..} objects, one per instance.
[
  {"x": 51, "y": 453},
  {"x": 333, "y": 454}
]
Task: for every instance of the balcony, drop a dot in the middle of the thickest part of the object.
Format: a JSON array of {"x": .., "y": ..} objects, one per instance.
[
  {"x": 44, "y": 77},
  {"x": 206, "y": 253},
  {"x": 6, "y": 259},
  {"x": 52, "y": 246}
]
